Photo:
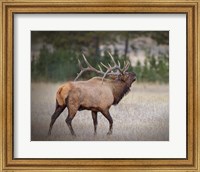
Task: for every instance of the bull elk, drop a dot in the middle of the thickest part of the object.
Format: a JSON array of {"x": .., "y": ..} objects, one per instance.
[{"x": 97, "y": 94}]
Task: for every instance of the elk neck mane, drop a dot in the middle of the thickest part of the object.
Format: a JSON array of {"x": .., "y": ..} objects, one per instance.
[{"x": 120, "y": 89}]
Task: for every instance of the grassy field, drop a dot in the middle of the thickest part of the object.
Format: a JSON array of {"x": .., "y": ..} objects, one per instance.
[{"x": 142, "y": 115}]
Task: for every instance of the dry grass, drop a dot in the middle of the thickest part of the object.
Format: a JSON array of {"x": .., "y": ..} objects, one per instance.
[{"x": 142, "y": 115}]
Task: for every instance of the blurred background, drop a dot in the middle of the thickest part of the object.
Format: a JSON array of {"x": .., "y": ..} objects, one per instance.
[
  {"x": 54, "y": 54},
  {"x": 142, "y": 115}
]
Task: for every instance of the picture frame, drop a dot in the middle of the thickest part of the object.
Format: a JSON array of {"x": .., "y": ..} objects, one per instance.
[{"x": 9, "y": 8}]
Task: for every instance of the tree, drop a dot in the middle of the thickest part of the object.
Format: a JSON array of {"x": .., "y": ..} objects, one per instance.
[{"x": 69, "y": 45}]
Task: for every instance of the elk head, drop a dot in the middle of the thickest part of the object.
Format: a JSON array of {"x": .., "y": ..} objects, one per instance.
[{"x": 127, "y": 77}]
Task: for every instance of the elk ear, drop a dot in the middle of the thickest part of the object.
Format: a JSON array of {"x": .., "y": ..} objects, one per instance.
[
  {"x": 121, "y": 77},
  {"x": 113, "y": 77}
]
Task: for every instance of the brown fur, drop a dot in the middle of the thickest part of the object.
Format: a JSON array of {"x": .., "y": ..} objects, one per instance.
[{"x": 93, "y": 95}]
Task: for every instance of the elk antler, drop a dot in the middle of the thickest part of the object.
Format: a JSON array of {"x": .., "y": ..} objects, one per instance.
[
  {"x": 126, "y": 66},
  {"x": 116, "y": 66},
  {"x": 88, "y": 68},
  {"x": 109, "y": 68},
  {"x": 112, "y": 68}
]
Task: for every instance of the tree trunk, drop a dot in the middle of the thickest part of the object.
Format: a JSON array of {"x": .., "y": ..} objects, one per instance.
[
  {"x": 97, "y": 42},
  {"x": 126, "y": 45}
]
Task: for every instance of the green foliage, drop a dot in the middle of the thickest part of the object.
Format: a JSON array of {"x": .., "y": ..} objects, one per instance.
[
  {"x": 62, "y": 65},
  {"x": 154, "y": 70},
  {"x": 57, "y": 66}
]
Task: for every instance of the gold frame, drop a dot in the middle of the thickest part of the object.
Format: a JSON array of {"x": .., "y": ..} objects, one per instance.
[{"x": 10, "y": 7}]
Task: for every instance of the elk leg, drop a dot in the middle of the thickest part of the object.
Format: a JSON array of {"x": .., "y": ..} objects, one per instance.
[
  {"x": 109, "y": 118},
  {"x": 71, "y": 113},
  {"x": 73, "y": 105},
  {"x": 94, "y": 117},
  {"x": 58, "y": 111},
  {"x": 69, "y": 123}
]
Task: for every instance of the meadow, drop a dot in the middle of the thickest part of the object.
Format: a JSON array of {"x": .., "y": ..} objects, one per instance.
[{"x": 142, "y": 115}]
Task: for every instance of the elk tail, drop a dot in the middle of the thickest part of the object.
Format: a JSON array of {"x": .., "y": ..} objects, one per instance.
[{"x": 59, "y": 97}]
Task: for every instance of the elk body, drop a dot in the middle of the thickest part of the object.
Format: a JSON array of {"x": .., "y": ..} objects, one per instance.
[{"x": 97, "y": 94}]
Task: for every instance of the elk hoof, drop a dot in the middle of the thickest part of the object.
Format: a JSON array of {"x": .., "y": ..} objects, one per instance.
[
  {"x": 49, "y": 133},
  {"x": 109, "y": 133},
  {"x": 74, "y": 135}
]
